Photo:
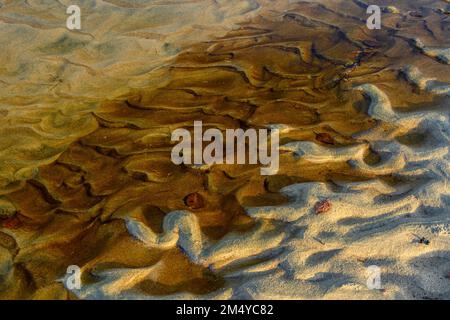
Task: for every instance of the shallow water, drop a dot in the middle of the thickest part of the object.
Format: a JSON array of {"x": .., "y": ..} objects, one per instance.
[{"x": 85, "y": 171}]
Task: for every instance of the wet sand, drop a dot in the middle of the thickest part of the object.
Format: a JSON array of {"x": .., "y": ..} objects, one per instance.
[{"x": 86, "y": 177}]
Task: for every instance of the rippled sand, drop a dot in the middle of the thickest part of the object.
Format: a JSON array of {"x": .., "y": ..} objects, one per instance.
[{"x": 86, "y": 177}]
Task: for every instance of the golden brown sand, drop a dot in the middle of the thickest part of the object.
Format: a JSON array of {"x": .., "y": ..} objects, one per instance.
[{"x": 91, "y": 150}]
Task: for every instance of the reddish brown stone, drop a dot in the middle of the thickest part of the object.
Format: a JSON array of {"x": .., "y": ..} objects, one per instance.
[
  {"x": 12, "y": 223},
  {"x": 325, "y": 138},
  {"x": 194, "y": 201},
  {"x": 322, "y": 206}
]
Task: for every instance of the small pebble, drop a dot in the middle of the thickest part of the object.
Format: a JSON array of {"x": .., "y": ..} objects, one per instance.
[
  {"x": 322, "y": 206},
  {"x": 194, "y": 201},
  {"x": 12, "y": 223},
  {"x": 325, "y": 138}
]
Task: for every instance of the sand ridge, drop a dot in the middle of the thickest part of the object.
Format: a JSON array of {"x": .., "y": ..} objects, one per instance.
[{"x": 85, "y": 159}]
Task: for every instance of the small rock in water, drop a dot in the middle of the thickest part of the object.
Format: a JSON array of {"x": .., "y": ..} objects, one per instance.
[
  {"x": 194, "y": 201},
  {"x": 325, "y": 138},
  {"x": 12, "y": 223},
  {"x": 322, "y": 206}
]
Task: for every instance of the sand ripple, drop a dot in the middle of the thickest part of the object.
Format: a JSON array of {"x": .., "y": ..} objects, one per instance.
[{"x": 85, "y": 170}]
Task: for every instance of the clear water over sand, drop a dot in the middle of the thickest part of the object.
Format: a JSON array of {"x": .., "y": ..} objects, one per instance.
[{"x": 85, "y": 171}]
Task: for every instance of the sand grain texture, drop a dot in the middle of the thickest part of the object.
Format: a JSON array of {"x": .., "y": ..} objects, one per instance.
[{"x": 85, "y": 171}]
